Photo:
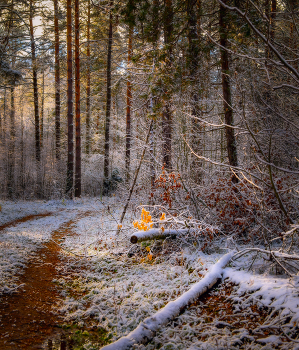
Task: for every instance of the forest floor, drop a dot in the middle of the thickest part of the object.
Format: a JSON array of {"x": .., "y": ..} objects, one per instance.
[{"x": 66, "y": 277}]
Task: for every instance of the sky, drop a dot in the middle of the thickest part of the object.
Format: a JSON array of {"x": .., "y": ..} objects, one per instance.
[{"x": 37, "y": 23}]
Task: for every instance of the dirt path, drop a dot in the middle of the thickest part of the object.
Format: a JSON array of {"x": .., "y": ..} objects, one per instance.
[
  {"x": 26, "y": 320},
  {"x": 24, "y": 219}
]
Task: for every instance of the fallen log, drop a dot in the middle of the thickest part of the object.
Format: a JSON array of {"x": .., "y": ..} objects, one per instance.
[
  {"x": 149, "y": 327},
  {"x": 155, "y": 233}
]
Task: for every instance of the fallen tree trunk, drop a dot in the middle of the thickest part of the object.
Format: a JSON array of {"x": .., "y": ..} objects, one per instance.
[
  {"x": 155, "y": 233},
  {"x": 148, "y": 328}
]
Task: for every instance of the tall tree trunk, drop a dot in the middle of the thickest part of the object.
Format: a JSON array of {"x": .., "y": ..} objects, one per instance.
[
  {"x": 272, "y": 19},
  {"x": 21, "y": 181},
  {"x": 42, "y": 110},
  {"x": 57, "y": 82},
  {"x": 270, "y": 12},
  {"x": 193, "y": 41},
  {"x": 77, "y": 92},
  {"x": 11, "y": 155},
  {"x": 108, "y": 98},
  {"x": 151, "y": 150},
  {"x": 155, "y": 37},
  {"x": 166, "y": 115},
  {"x": 199, "y": 15},
  {"x": 226, "y": 87},
  {"x": 129, "y": 103},
  {"x": 3, "y": 140},
  {"x": 267, "y": 14},
  {"x": 293, "y": 40},
  {"x": 156, "y": 24},
  {"x": 194, "y": 8},
  {"x": 88, "y": 82},
  {"x": 1, "y": 126},
  {"x": 35, "y": 89},
  {"x": 70, "y": 118}
]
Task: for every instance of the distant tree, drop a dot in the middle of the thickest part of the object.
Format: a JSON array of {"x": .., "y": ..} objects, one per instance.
[
  {"x": 129, "y": 106},
  {"x": 70, "y": 118},
  {"x": 108, "y": 97},
  {"x": 77, "y": 103},
  {"x": 57, "y": 81},
  {"x": 12, "y": 143},
  {"x": 166, "y": 115},
  {"x": 35, "y": 84},
  {"x": 227, "y": 89},
  {"x": 87, "y": 137}
]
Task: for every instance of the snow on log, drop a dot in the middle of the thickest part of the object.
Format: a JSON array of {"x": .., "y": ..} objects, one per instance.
[
  {"x": 155, "y": 233},
  {"x": 148, "y": 328}
]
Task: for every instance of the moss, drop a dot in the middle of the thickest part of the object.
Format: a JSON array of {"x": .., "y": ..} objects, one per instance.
[{"x": 94, "y": 337}]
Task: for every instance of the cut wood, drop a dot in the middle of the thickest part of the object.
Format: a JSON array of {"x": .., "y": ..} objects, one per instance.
[
  {"x": 148, "y": 328},
  {"x": 155, "y": 233}
]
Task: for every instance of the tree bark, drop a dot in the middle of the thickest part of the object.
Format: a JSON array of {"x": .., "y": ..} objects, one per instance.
[
  {"x": 293, "y": 40},
  {"x": 166, "y": 115},
  {"x": 129, "y": 103},
  {"x": 108, "y": 97},
  {"x": 193, "y": 39},
  {"x": 270, "y": 12},
  {"x": 4, "y": 137},
  {"x": 194, "y": 8},
  {"x": 22, "y": 181},
  {"x": 57, "y": 82},
  {"x": 2, "y": 120},
  {"x": 272, "y": 19},
  {"x": 151, "y": 150},
  {"x": 70, "y": 119},
  {"x": 156, "y": 24},
  {"x": 155, "y": 234},
  {"x": 77, "y": 106},
  {"x": 35, "y": 89},
  {"x": 11, "y": 155},
  {"x": 42, "y": 111},
  {"x": 1, "y": 127},
  {"x": 87, "y": 147},
  {"x": 226, "y": 87}
]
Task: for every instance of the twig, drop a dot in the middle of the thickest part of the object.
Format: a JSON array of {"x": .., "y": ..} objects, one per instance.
[{"x": 135, "y": 179}]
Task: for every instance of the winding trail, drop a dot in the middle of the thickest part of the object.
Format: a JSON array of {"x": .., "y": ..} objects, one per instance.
[
  {"x": 26, "y": 317},
  {"x": 24, "y": 219}
]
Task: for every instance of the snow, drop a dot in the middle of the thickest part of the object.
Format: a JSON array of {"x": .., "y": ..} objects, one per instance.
[
  {"x": 19, "y": 243},
  {"x": 281, "y": 294},
  {"x": 152, "y": 324},
  {"x": 121, "y": 292},
  {"x": 150, "y": 234},
  {"x": 273, "y": 339},
  {"x": 15, "y": 210},
  {"x": 132, "y": 297}
]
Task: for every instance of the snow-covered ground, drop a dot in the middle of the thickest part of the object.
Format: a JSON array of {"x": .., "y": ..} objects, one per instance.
[
  {"x": 19, "y": 242},
  {"x": 11, "y": 210},
  {"x": 116, "y": 285},
  {"x": 120, "y": 291}
]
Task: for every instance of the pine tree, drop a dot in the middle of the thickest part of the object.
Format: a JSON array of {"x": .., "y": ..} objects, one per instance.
[
  {"x": 70, "y": 118},
  {"x": 226, "y": 88},
  {"x": 77, "y": 94},
  {"x": 57, "y": 81},
  {"x": 108, "y": 102}
]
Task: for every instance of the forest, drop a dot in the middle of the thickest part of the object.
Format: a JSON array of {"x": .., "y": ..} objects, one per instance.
[{"x": 149, "y": 174}]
